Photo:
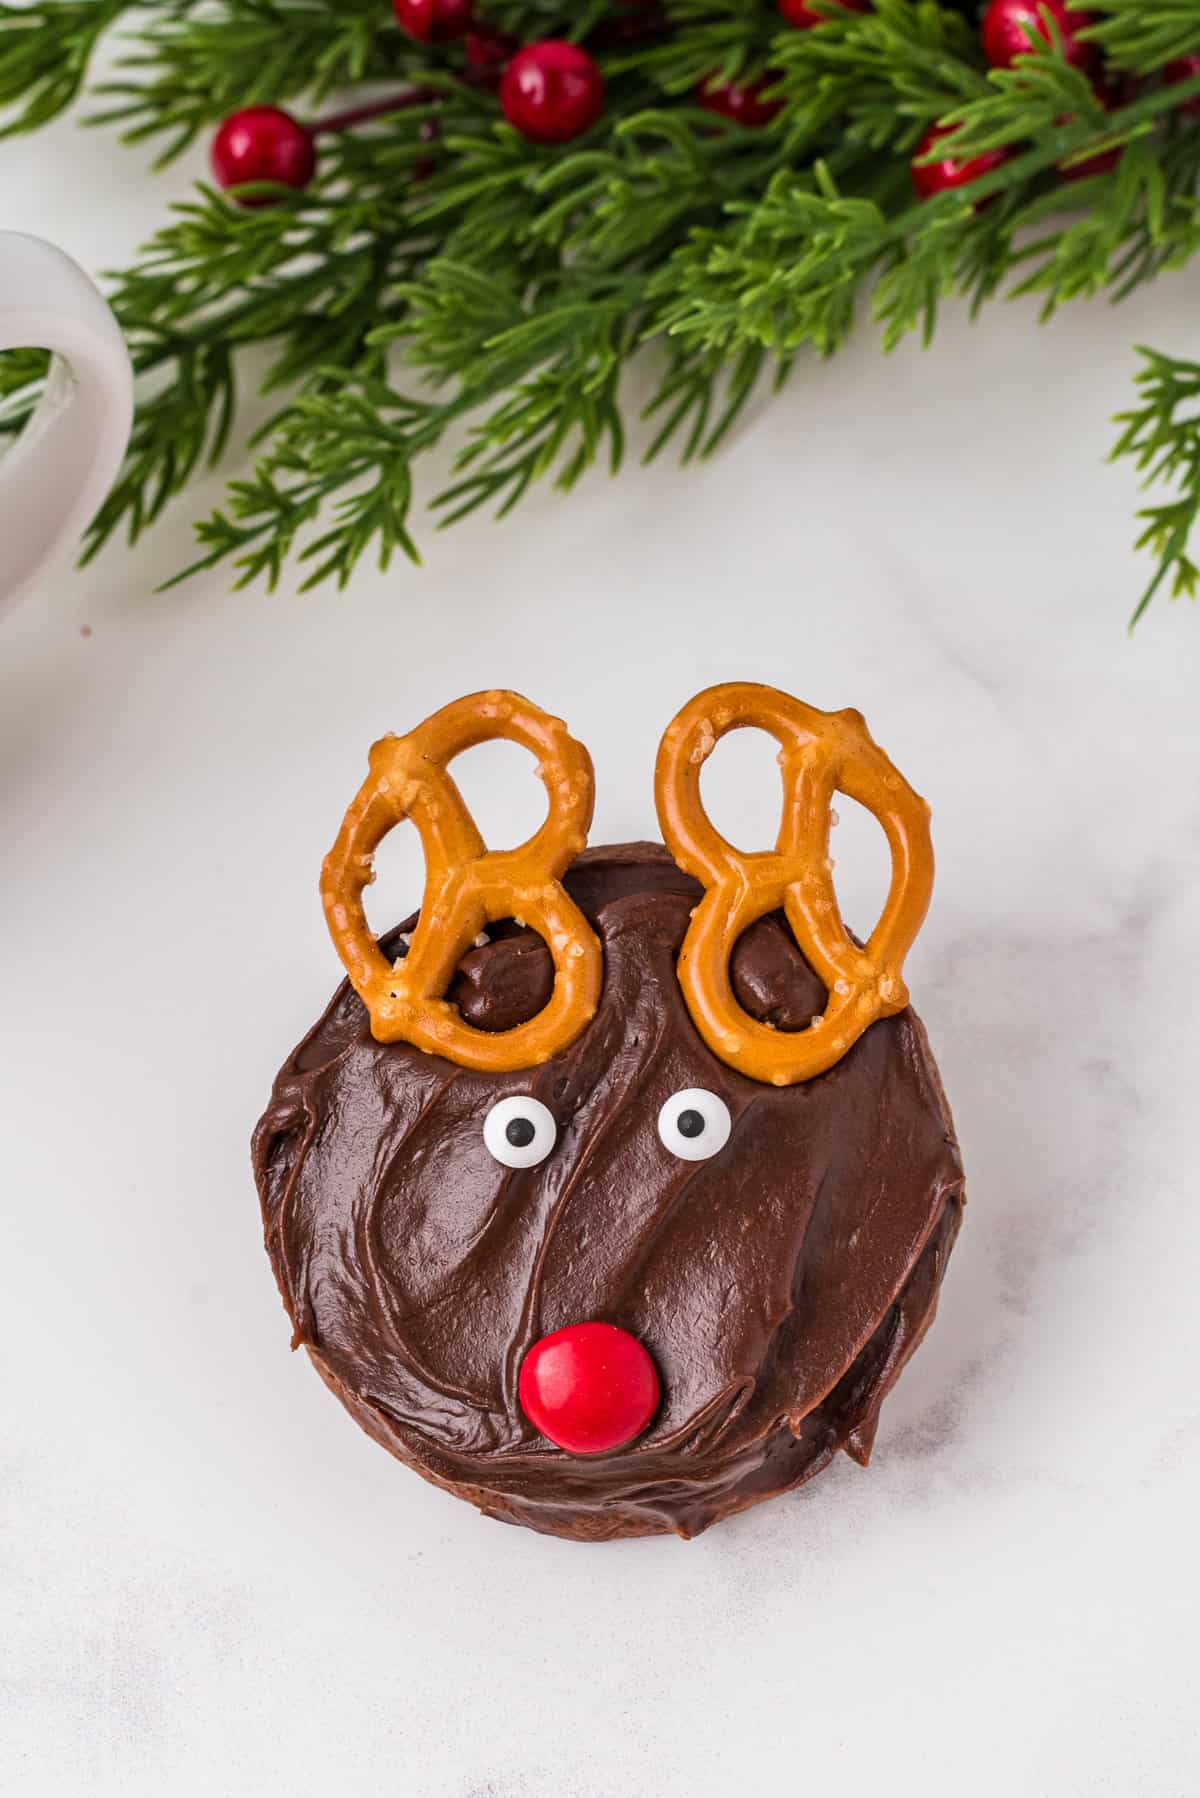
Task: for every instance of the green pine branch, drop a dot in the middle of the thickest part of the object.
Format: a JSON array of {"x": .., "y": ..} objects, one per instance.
[
  {"x": 475, "y": 284},
  {"x": 1142, "y": 36},
  {"x": 46, "y": 54},
  {"x": 190, "y": 66},
  {"x": 1162, "y": 436}
]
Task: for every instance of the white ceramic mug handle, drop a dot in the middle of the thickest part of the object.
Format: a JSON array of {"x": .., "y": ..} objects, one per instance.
[{"x": 56, "y": 474}]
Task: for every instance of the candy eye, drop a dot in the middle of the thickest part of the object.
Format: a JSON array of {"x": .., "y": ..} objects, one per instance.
[
  {"x": 519, "y": 1132},
  {"x": 694, "y": 1124}
]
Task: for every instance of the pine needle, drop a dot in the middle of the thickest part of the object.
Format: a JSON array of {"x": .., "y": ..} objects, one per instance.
[{"x": 479, "y": 283}]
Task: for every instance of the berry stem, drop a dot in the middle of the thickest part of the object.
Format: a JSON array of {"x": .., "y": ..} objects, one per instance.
[{"x": 373, "y": 109}]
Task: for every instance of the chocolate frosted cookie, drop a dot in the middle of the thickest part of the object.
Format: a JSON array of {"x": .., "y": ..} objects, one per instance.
[{"x": 622, "y": 1285}]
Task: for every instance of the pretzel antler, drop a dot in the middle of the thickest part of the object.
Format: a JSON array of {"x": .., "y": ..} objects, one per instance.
[
  {"x": 467, "y": 885},
  {"x": 820, "y": 753}
]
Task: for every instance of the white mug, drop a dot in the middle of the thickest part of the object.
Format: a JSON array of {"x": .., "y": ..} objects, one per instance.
[{"x": 56, "y": 474}]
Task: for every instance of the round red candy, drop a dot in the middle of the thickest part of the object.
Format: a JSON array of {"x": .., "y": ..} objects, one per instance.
[
  {"x": 552, "y": 91},
  {"x": 589, "y": 1388},
  {"x": 263, "y": 143}
]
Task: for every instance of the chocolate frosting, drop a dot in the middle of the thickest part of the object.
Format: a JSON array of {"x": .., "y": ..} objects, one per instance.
[{"x": 779, "y": 1286}]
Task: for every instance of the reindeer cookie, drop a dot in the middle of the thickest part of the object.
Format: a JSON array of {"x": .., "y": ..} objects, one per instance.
[{"x": 613, "y": 1191}]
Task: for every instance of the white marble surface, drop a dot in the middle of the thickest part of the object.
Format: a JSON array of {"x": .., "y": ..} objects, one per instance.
[{"x": 212, "y": 1583}]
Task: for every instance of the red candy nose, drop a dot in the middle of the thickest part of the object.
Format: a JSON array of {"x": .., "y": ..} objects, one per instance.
[{"x": 589, "y": 1388}]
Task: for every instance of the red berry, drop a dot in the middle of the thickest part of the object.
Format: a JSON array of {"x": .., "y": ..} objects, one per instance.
[
  {"x": 741, "y": 101},
  {"x": 930, "y": 178},
  {"x": 552, "y": 91},
  {"x": 263, "y": 143},
  {"x": 801, "y": 15},
  {"x": 1184, "y": 68},
  {"x": 1008, "y": 23},
  {"x": 429, "y": 131},
  {"x": 1102, "y": 164},
  {"x": 590, "y": 1388},
  {"x": 634, "y": 22},
  {"x": 486, "y": 53},
  {"x": 1111, "y": 97},
  {"x": 433, "y": 21}
]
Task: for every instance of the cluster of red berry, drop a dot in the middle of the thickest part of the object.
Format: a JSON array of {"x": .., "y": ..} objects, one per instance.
[
  {"x": 1006, "y": 29},
  {"x": 552, "y": 91}
]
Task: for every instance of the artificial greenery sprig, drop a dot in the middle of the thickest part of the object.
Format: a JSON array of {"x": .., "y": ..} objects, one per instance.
[
  {"x": 1162, "y": 434},
  {"x": 488, "y": 284}
]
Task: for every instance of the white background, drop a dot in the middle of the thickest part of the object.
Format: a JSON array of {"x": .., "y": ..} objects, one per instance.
[{"x": 212, "y": 1583}]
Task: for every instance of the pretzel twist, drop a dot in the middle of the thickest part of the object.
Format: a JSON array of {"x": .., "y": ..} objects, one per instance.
[
  {"x": 467, "y": 885},
  {"x": 820, "y": 753}
]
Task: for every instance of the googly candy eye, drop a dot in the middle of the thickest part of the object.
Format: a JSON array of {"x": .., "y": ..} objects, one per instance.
[
  {"x": 694, "y": 1124},
  {"x": 519, "y": 1131}
]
